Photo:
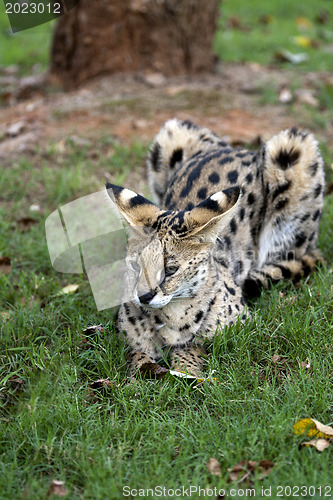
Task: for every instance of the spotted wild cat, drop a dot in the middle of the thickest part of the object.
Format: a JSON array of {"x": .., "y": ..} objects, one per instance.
[{"x": 226, "y": 222}]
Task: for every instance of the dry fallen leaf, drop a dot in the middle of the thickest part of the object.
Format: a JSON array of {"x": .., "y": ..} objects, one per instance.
[
  {"x": 303, "y": 23},
  {"x": 68, "y": 289},
  {"x": 302, "y": 41},
  {"x": 278, "y": 359},
  {"x": 244, "y": 471},
  {"x": 25, "y": 223},
  {"x": 5, "y": 315},
  {"x": 285, "y": 95},
  {"x": 319, "y": 444},
  {"x": 213, "y": 467},
  {"x": 313, "y": 428},
  {"x": 305, "y": 364},
  {"x": 5, "y": 266},
  {"x": 103, "y": 383},
  {"x": 90, "y": 335},
  {"x": 286, "y": 56},
  {"x": 307, "y": 96},
  {"x": 57, "y": 488}
]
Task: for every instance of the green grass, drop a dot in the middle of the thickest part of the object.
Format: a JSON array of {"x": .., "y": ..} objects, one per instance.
[
  {"x": 152, "y": 433},
  {"x": 265, "y": 28},
  {"x": 25, "y": 48}
]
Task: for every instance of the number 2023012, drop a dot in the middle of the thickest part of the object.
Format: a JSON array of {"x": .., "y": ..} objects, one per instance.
[{"x": 33, "y": 8}]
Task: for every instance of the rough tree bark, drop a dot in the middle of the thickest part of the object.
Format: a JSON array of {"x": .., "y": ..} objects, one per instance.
[{"x": 108, "y": 36}]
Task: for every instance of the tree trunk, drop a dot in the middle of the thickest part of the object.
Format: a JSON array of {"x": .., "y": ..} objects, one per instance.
[{"x": 108, "y": 36}]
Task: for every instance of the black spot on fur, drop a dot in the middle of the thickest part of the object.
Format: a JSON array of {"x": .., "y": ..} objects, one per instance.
[
  {"x": 233, "y": 176},
  {"x": 177, "y": 156},
  {"x": 238, "y": 268},
  {"x": 281, "y": 189},
  {"x": 214, "y": 178},
  {"x": 158, "y": 320},
  {"x": 249, "y": 178},
  {"x": 286, "y": 159},
  {"x": 233, "y": 226},
  {"x": 313, "y": 168},
  {"x": 230, "y": 310},
  {"x": 168, "y": 199},
  {"x": 293, "y": 132},
  {"x": 305, "y": 217},
  {"x": 202, "y": 194},
  {"x": 227, "y": 159},
  {"x": 132, "y": 320},
  {"x": 227, "y": 242},
  {"x": 251, "y": 199},
  {"x": 155, "y": 157},
  {"x": 241, "y": 214},
  {"x": 312, "y": 235},
  {"x": 194, "y": 175},
  {"x": 281, "y": 204},
  {"x": 188, "y": 124},
  {"x": 198, "y": 316},
  {"x": 184, "y": 327},
  {"x": 189, "y": 206},
  {"x": 230, "y": 289},
  {"x": 316, "y": 215},
  {"x": 242, "y": 155},
  {"x": 300, "y": 239},
  {"x": 246, "y": 163},
  {"x": 318, "y": 190}
]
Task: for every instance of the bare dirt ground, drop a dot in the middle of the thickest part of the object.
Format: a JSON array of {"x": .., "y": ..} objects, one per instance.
[{"x": 133, "y": 107}]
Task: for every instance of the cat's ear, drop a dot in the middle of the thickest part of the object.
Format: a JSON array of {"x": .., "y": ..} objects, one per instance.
[
  {"x": 134, "y": 209},
  {"x": 207, "y": 220}
]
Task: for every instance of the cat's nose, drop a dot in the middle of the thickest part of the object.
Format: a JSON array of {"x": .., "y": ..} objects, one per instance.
[{"x": 147, "y": 297}]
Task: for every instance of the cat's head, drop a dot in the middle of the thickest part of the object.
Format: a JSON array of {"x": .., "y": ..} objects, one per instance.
[{"x": 168, "y": 251}]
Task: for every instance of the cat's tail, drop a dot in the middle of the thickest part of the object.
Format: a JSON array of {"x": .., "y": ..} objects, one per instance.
[{"x": 176, "y": 142}]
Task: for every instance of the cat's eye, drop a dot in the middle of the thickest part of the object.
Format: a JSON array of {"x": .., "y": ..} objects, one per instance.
[
  {"x": 170, "y": 270},
  {"x": 135, "y": 266}
]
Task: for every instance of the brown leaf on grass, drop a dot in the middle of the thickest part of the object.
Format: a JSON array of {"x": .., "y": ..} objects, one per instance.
[
  {"x": 305, "y": 364},
  {"x": 313, "y": 428},
  {"x": 5, "y": 315},
  {"x": 25, "y": 223},
  {"x": 102, "y": 383},
  {"x": 72, "y": 288},
  {"x": 213, "y": 467},
  {"x": 236, "y": 23},
  {"x": 319, "y": 444},
  {"x": 90, "y": 334},
  {"x": 266, "y": 19},
  {"x": 5, "y": 266},
  {"x": 329, "y": 188},
  {"x": 285, "y": 95},
  {"x": 323, "y": 17},
  {"x": 278, "y": 359},
  {"x": 57, "y": 488},
  {"x": 153, "y": 370},
  {"x": 244, "y": 471}
]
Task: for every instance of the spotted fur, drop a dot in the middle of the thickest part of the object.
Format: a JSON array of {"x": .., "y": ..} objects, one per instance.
[{"x": 228, "y": 222}]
